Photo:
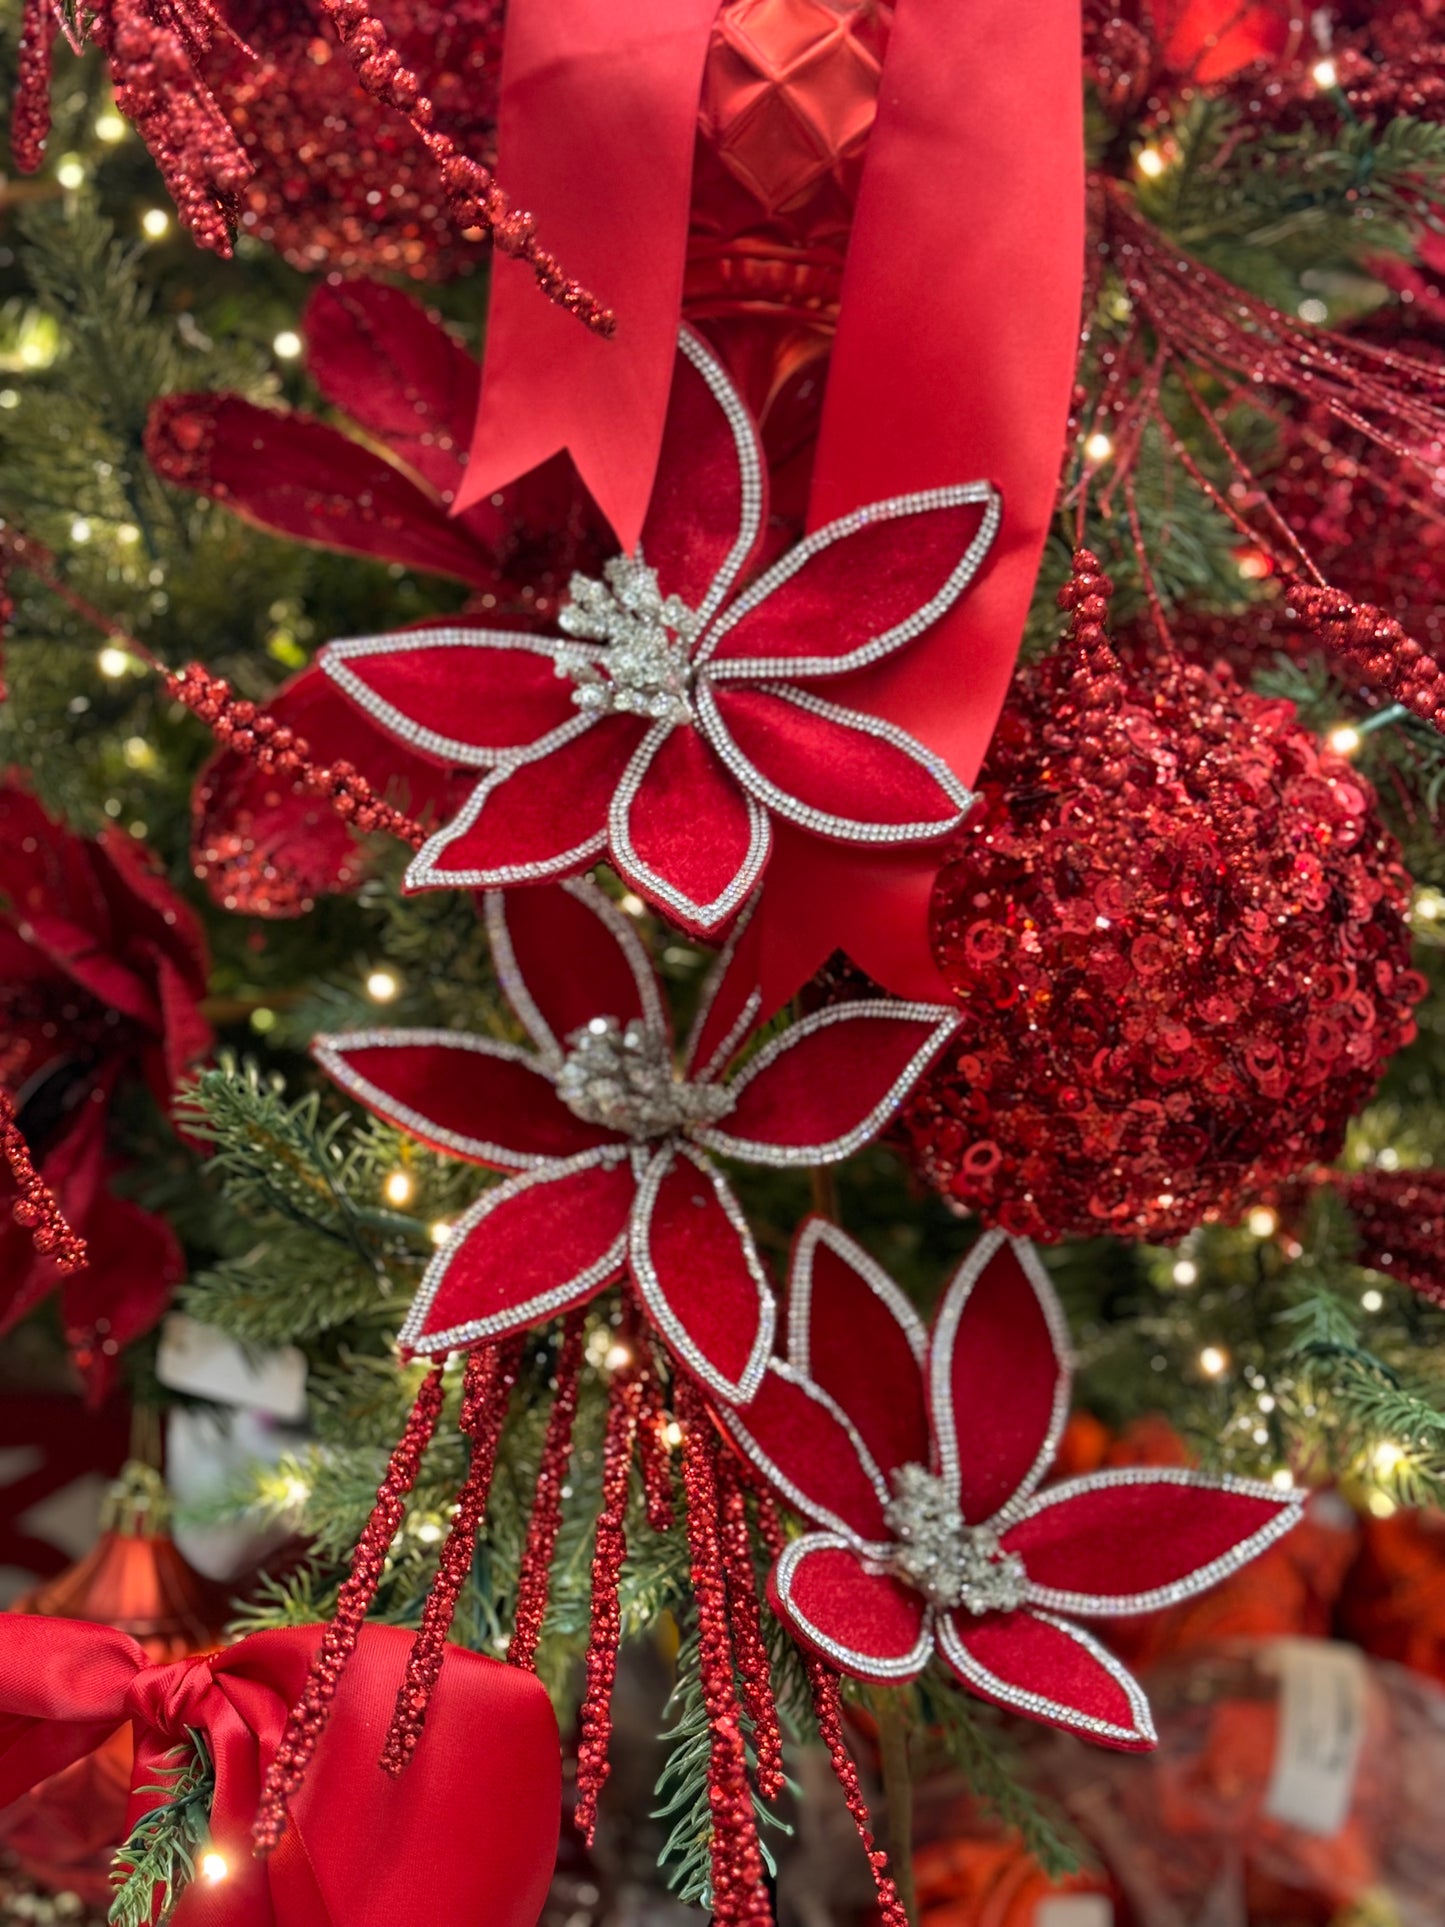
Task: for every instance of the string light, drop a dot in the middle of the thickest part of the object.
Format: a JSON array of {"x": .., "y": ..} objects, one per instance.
[
  {"x": 80, "y": 530},
  {"x": 633, "y": 905},
  {"x": 1381, "y": 1504},
  {"x": 71, "y": 171},
  {"x": 1214, "y": 1361},
  {"x": 214, "y": 1868},
  {"x": 113, "y": 662},
  {"x": 287, "y": 345},
  {"x": 1325, "y": 74},
  {"x": 398, "y": 1188},
  {"x": 382, "y": 986},
  {"x": 1372, "y": 1300},
  {"x": 672, "y": 1435},
  {"x": 1345, "y": 740},
  {"x": 1387, "y": 1458},
  {"x": 1151, "y": 162},
  {"x": 295, "y": 1491},
  {"x": 1282, "y": 1480},
  {"x": 440, "y": 1232},
  {"x": 110, "y": 127},
  {"x": 617, "y": 1355},
  {"x": 1099, "y": 447},
  {"x": 428, "y": 1531},
  {"x": 1186, "y": 1272},
  {"x": 1262, "y": 1222},
  {"x": 154, "y": 223}
]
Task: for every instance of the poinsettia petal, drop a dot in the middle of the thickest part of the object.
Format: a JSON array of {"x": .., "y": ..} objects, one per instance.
[
  {"x": 852, "y": 1332},
  {"x": 683, "y": 833},
  {"x": 377, "y": 354},
  {"x": 865, "y": 1623},
  {"x": 1048, "y": 1670},
  {"x": 814, "y": 762},
  {"x": 472, "y": 1096},
  {"x": 1137, "y": 1539},
  {"x": 565, "y": 953},
  {"x": 709, "y": 499},
  {"x": 532, "y": 821},
  {"x": 728, "y": 1007},
  {"x": 700, "y": 1275},
  {"x": 829, "y": 1083},
  {"x": 998, "y": 1384},
  {"x": 855, "y": 590},
  {"x": 530, "y": 1248},
  {"x": 807, "y": 1448}
]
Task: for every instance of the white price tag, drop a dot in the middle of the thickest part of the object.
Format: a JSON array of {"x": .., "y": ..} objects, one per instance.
[
  {"x": 1321, "y": 1727},
  {"x": 198, "y": 1359}
]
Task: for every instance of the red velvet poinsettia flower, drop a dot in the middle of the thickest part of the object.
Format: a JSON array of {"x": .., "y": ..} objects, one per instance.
[
  {"x": 410, "y": 389},
  {"x": 611, "y": 1140},
  {"x": 918, "y": 1457},
  {"x": 102, "y": 971},
  {"x": 680, "y": 709}
]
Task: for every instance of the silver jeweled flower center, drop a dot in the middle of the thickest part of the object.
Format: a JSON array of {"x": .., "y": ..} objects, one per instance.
[
  {"x": 950, "y": 1563},
  {"x": 647, "y": 669},
  {"x": 621, "y": 1076}
]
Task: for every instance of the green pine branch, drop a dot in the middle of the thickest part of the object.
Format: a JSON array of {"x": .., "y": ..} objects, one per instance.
[{"x": 161, "y": 1855}]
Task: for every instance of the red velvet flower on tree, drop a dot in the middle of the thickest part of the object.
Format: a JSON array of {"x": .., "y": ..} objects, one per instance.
[
  {"x": 678, "y": 712},
  {"x": 102, "y": 969},
  {"x": 611, "y": 1145},
  {"x": 918, "y": 1456},
  {"x": 411, "y": 390}
]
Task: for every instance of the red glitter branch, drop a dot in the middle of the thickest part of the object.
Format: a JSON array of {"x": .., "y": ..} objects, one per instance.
[
  {"x": 594, "y": 1719},
  {"x": 35, "y": 1207},
  {"x": 1375, "y": 645},
  {"x": 535, "y": 1579},
  {"x": 754, "y": 1668},
  {"x": 653, "y": 1453}
]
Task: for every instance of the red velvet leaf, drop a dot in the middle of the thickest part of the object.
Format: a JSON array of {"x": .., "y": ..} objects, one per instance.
[
  {"x": 1048, "y": 1671},
  {"x": 684, "y": 835},
  {"x": 565, "y": 953},
  {"x": 801, "y": 1443},
  {"x": 866, "y": 1624}
]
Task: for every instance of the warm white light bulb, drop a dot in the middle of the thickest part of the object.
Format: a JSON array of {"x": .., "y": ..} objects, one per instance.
[
  {"x": 287, "y": 344},
  {"x": 440, "y": 1232},
  {"x": 71, "y": 171},
  {"x": 1262, "y": 1222},
  {"x": 1099, "y": 447},
  {"x": 382, "y": 986},
  {"x": 1325, "y": 74},
  {"x": 1186, "y": 1272},
  {"x": 155, "y": 222},
  {"x": 113, "y": 662},
  {"x": 214, "y": 1867},
  {"x": 110, "y": 127},
  {"x": 1213, "y": 1361},
  {"x": 617, "y": 1356},
  {"x": 398, "y": 1188},
  {"x": 1372, "y": 1300},
  {"x": 1345, "y": 740},
  {"x": 1150, "y": 162}
]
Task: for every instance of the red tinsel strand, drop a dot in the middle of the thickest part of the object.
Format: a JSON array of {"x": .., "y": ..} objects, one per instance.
[
  {"x": 654, "y": 1455},
  {"x": 749, "y": 1647},
  {"x": 473, "y": 196},
  {"x": 594, "y": 1720},
  {"x": 535, "y": 1580},
  {"x": 307, "y": 1719},
  {"x": 35, "y": 1207},
  {"x": 1375, "y": 645},
  {"x": 491, "y": 1374},
  {"x": 30, "y": 108},
  {"x": 246, "y": 727},
  {"x": 738, "y": 1889}
]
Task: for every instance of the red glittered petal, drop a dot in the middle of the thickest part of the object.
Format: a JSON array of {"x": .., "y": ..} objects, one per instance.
[
  {"x": 834, "y": 771},
  {"x": 998, "y": 1380},
  {"x": 864, "y": 1623},
  {"x": 856, "y": 590},
  {"x": 1138, "y": 1539},
  {"x": 472, "y": 1096},
  {"x": 535, "y": 821},
  {"x": 709, "y": 499},
  {"x": 1047, "y": 1670},
  {"x": 524, "y": 1252},
  {"x": 684, "y": 834},
  {"x": 807, "y": 1449},
  {"x": 565, "y": 954},
  {"x": 700, "y": 1275},
  {"x": 830, "y": 1083},
  {"x": 467, "y": 696},
  {"x": 852, "y": 1332}
]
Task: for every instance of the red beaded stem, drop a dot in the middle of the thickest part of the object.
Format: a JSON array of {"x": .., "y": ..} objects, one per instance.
[
  {"x": 271, "y": 745},
  {"x": 754, "y": 1668},
  {"x": 307, "y": 1719},
  {"x": 1375, "y": 645},
  {"x": 535, "y": 1580},
  {"x": 474, "y": 200},
  {"x": 738, "y": 1889},
  {"x": 828, "y": 1714},
  {"x": 30, "y": 109},
  {"x": 653, "y": 1454},
  {"x": 491, "y": 1374},
  {"x": 594, "y": 1719},
  {"x": 36, "y": 1207}
]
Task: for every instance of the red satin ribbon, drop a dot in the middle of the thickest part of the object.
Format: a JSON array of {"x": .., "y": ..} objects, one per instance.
[{"x": 469, "y": 1833}]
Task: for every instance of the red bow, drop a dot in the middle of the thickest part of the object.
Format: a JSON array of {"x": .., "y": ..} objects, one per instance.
[{"x": 469, "y": 1833}]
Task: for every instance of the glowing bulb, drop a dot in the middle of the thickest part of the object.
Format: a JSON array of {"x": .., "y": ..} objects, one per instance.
[
  {"x": 1099, "y": 447},
  {"x": 214, "y": 1868},
  {"x": 1150, "y": 162},
  {"x": 428, "y": 1532},
  {"x": 1213, "y": 1361},
  {"x": 71, "y": 171},
  {"x": 1281, "y": 1481},
  {"x": 1344, "y": 741},
  {"x": 80, "y": 529},
  {"x": 1262, "y": 1222},
  {"x": 382, "y": 986},
  {"x": 288, "y": 344},
  {"x": 1325, "y": 74},
  {"x": 127, "y": 532},
  {"x": 110, "y": 127},
  {"x": 672, "y": 1435},
  {"x": 398, "y": 1188},
  {"x": 113, "y": 662},
  {"x": 617, "y": 1356},
  {"x": 138, "y": 753},
  {"x": 1186, "y": 1272},
  {"x": 9, "y": 397},
  {"x": 1386, "y": 1458},
  {"x": 155, "y": 222},
  {"x": 1372, "y": 1300},
  {"x": 633, "y": 905},
  {"x": 1381, "y": 1504},
  {"x": 440, "y": 1232}
]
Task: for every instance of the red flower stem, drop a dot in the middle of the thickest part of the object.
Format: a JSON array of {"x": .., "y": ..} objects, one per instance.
[
  {"x": 491, "y": 1373},
  {"x": 535, "y": 1580},
  {"x": 754, "y": 1668},
  {"x": 26, "y": 553},
  {"x": 594, "y": 1719},
  {"x": 36, "y": 1207},
  {"x": 307, "y": 1719}
]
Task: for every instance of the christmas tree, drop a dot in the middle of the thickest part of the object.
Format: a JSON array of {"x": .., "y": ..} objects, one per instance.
[{"x": 722, "y": 819}]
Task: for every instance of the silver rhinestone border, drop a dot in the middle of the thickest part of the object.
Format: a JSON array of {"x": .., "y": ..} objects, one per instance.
[
  {"x": 1002, "y": 1692},
  {"x": 817, "y": 1231},
  {"x": 861, "y": 1665},
  {"x": 750, "y": 469},
  {"x": 877, "y": 1549}
]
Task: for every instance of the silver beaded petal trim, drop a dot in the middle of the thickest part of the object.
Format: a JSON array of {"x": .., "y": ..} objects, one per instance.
[
  {"x": 866, "y": 1665},
  {"x": 880, "y": 1551},
  {"x": 750, "y": 468},
  {"x": 472, "y": 1331},
  {"x": 332, "y": 1054},
  {"x": 940, "y": 1377},
  {"x": 658, "y": 1301},
  {"x": 922, "y": 502},
  {"x": 336, "y": 656},
  {"x": 821, "y": 1231},
  {"x": 823, "y": 822},
  {"x": 1112, "y": 1605},
  {"x": 731, "y": 1042},
  {"x": 651, "y": 883},
  {"x": 1005, "y": 1693},
  {"x": 784, "y": 1156}
]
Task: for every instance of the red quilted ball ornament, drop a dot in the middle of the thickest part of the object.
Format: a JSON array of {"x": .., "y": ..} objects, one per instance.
[
  {"x": 342, "y": 181},
  {"x": 1176, "y": 931}
]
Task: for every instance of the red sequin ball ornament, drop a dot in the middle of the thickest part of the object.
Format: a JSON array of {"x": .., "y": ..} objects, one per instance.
[{"x": 1175, "y": 928}]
